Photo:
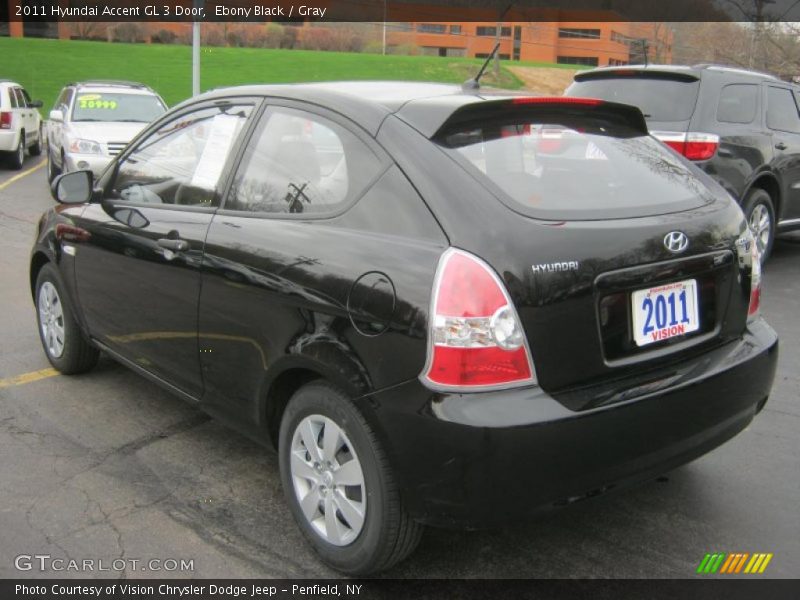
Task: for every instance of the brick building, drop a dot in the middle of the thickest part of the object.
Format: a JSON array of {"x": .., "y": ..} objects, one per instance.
[{"x": 578, "y": 43}]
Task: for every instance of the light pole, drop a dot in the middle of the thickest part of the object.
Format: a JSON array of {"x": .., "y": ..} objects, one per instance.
[
  {"x": 196, "y": 50},
  {"x": 384, "y": 27}
]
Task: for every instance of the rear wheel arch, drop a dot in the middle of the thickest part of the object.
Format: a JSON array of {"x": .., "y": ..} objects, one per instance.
[
  {"x": 293, "y": 372},
  {"x": 278, "y": 394},
  {"x": 769, "y": 184}
]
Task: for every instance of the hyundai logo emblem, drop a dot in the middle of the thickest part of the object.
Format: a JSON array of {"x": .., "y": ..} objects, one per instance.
[{"x": 676, "y": 241}]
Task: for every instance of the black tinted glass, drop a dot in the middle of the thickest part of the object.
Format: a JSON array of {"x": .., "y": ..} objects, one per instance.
[
  {"x": 658, "y": 99},
  {"x": 737, "y": 103},
  {"x": 575, "y": 171},
  {"x": 781, "y": 110}
]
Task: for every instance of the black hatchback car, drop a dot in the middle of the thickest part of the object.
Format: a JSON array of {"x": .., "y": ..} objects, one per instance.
[
  {"x": 441, "y": 307},
  {"x": 741, "y": 127}
]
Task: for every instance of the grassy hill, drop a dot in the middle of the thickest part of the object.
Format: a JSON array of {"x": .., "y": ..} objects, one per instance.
[{"x": 44, "y": 66}]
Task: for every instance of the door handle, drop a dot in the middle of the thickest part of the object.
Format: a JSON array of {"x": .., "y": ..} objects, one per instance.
[
  {"x": 781, "y": 146},
  {"x": 174, "y": 245}
]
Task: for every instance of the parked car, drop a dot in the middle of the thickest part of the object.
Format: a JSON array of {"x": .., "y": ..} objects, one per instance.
[
  {"x": 447, "y": 325},
  {"x": 92, "y": 121},
  {"x": 741, "y": 127},
  {"x": 20, "y": 124}
]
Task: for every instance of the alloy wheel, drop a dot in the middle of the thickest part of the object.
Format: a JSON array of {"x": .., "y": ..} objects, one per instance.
[
  {"x": 328, "y": 480},
  {"x": 761, "y": 227},
  {"x": 51, "y": 319}
]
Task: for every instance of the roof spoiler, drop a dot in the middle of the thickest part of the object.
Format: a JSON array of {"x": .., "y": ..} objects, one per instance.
[
  {"x": 559, "y": 108},
  {"x": 638, "y": 72}
]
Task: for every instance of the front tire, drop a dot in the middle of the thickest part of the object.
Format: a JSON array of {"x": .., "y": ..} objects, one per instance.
[
  {"x": 339, "y": 485},
  {"x": 62, "y": 340},
  {"x": 52, "y": 170},
  {"x": 36, "y": 149},
  {"x": 760, "y": 214}
]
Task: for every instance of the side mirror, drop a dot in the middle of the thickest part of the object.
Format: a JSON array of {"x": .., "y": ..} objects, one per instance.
[
  {"x": 56, "y": 115},
  {"x": 73, "y": 188},
  {"x": 36, "y": 104}
]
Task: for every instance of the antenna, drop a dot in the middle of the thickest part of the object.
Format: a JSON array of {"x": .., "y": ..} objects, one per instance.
[{"x": 474, "y": 83}]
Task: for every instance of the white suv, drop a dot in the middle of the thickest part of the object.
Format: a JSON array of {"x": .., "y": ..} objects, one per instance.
[
  {"x": 20, "y": 123},
  {"x": 91, "y": 122}
]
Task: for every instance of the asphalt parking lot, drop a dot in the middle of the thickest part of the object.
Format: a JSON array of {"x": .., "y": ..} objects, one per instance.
[{"x": 108, "y": 466}]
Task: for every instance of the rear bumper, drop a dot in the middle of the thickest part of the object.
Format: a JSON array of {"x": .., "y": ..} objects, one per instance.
[
  {"x": 472, "y": 460},
  {"x": 8, "y": 140}
]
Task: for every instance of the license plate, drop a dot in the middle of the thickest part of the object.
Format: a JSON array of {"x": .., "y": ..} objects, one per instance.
[{"x": 664, "y": 312}]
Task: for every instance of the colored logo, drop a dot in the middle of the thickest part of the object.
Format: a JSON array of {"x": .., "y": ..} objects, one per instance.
[{"x": 734, "y": 563}]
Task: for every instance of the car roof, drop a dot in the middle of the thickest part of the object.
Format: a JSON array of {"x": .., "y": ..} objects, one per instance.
[
  {"x": 425, "y": 106},
  {"x": 697, "y": 71},
  {"x": 113, "y": 85}
]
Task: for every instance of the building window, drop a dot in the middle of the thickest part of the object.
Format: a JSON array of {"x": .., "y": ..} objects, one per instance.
[
  {"x": 587, "y": 34},
  {"x": 486, "y": 55},
  {"x": 431, "y": 28},
  {"x": 589, "y": 61},
  {"x": 616, "y": 36},
  {"x": 615, "y": 62},
  {"x": 455, "y": 29},
  {"x": 484, "y": 31}
]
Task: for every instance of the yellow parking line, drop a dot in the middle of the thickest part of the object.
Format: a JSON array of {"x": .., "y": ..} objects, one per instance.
[
  {"x": 19, "y": 176},
  {"x": 27, "y": 378}
]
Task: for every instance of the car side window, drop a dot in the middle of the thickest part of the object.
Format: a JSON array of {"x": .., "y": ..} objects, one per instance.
[
  {"x": 12, "y": 97},
  {"x": 25, "y": 96},
  {"x": 299, "y": 162},
  {"x": 737, "y": 103},
  {"x": 782, "y": 112},
  {"x": 21, "y": 100},
  {"x": 182, "y": 162},
  {"x": 67, "y": 101}
]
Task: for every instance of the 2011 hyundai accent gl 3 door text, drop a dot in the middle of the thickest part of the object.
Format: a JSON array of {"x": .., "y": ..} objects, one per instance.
[{"x": 441, "y": 307}]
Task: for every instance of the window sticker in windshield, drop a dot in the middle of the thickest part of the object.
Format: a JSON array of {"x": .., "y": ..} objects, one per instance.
[{"x": 96, "y": 101}]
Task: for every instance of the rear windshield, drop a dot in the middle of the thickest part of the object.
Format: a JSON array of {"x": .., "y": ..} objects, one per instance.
[
  {"x": 658, "y": 99},
  {"x": 117, "y": 107},
  {"x": 566, "y": 170}
]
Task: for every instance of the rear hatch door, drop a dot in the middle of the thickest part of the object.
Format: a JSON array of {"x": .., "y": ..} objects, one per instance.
[{"x": 619, "y": 254}]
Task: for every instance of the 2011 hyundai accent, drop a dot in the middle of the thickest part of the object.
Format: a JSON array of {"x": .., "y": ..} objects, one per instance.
[{"x": 441, "y": 306}]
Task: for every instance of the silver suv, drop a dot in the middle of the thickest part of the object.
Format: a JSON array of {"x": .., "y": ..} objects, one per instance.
[
  {"x": 91, "y": 122},
  {"x": 20, "y": 123}
]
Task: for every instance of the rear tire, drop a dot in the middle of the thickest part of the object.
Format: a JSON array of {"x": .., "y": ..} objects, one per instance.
[
  {"x": 17, "y": 158},
  {"x": 62, "y": 339},
  {"x": 377, "y": 537},
  {"x": 760, "y": 214}
]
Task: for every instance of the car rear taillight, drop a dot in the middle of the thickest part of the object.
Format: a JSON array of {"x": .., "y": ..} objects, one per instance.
[
  {"x": 692, "y": 145},
  {"x": 750, "y": 257},
  {"x": 476, "y": 341},
  {"x": 5, "y": 120},
  {"x": 755, "y": 283}
]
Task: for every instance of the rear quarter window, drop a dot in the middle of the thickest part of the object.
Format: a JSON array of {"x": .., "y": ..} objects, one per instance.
[
  {"x": 737, "y": 103},
  {"x": 302, "y": 163}
]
